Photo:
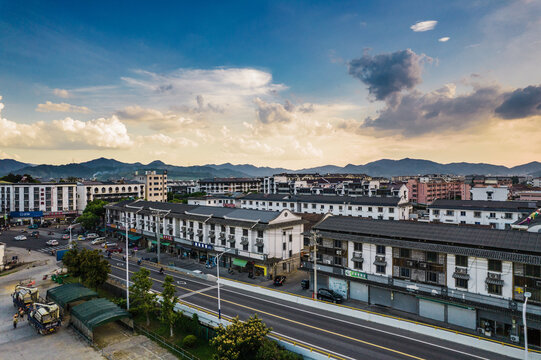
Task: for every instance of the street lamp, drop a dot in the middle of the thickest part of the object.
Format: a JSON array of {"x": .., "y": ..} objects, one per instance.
[
  {"x": 127, "y": 223},
  {"x": 526, "y": 296},
  {"x": 218, "y": 276},
  {"x": 313, "y": 242},
  {"x": 158, "y": 213}
]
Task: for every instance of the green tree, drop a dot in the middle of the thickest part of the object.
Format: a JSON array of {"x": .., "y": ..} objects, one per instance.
[
  {"x": 72, "y": 261},
  {"x": 93, "y": 214},
  {"x": 95, "y": 268},
  {"x": 88, "y": 220},
  {"x": 142, "y": 300},
  {"x": 240, "y": 340},
  {"x": 168, "y": 314}
]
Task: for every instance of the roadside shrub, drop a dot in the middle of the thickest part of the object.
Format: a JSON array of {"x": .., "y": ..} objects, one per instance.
[{"x": 189, "y": 341}]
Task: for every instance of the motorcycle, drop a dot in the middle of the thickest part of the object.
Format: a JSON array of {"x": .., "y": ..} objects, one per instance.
[{"x": 161, "y": 271}]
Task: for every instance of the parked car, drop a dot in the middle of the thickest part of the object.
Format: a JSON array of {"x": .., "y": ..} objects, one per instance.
[
  {"x": 20, "y": 238},
  {"x": 108, "y": 245},
  {"x": 98, "y": 241},
  {"x": 52, "y": 242},
  {"x": 81, "y": 238},
  {"x": 279, "y": 280},
  {"x": 114, "y": 249},
  {"x": 92, "y": 236},
  {"x": 66, "y": 237},
  {"x": 329, "y": 295},
  {"x": 33, "y": 226}
]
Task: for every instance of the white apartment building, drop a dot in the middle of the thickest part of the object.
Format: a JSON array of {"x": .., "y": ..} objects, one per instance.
[
  {"x": 220, "y": 186},
  {"x": 469, "y": 277},
  {"x": 29, "y": 202},
  {"x": 496, "y": 214},
  {"x": 221, "y": 201},
  {"x": 88, "y": 191},
  {"x": 489, "y": 193},
  {"x": 155, "y": 184},
  {"x": 262, "y": 242},
  {"x": 384, "y": 208}
]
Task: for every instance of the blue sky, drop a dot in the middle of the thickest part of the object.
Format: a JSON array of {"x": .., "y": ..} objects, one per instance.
[{"x": 134, "y": 71}]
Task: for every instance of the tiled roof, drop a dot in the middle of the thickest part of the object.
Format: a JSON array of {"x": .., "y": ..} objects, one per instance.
[
  {"x": 327, "y": 199},
  {"x": 512, "y": 206}
]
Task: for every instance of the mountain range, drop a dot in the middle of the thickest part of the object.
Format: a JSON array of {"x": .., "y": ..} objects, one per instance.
[{"x": 104, "y": 169}]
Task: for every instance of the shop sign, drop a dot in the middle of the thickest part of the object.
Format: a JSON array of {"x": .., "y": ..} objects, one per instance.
[
  {"x": 356, "y": 274},
  {"x": 202, "y": 245},
  {"x": 167, "y": 237},
  {"x": 26, "y": 214}
]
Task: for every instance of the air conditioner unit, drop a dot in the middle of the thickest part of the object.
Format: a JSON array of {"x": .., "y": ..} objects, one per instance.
[
  {"x": 328, "y": 262},
  {"x": 494, "y": 276},
  {"x": 423, "y": 265},
  {"x": 409, "y": 263},
  {"x": 515, "y": 338},
  {"x": 380, "y": 258},
  {"x": 338, "y": 252}
]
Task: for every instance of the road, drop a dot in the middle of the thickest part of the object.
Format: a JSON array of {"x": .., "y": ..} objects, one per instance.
[{"x": 343, "y": 336}]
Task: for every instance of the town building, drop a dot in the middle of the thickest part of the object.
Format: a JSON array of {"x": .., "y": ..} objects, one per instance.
[
  {"x": 262, "y": 242},
  {"x": 88, "y": 191},
  {"x": 496, "y": 214},
  {"x": 424, "y": 190},
  {"x": 536, "y": 182},
  {"x": 180, "y": 187},
  {"x": 232, "y": 200},
  {"x": 463, "y": 276},
  {"x": 220, "y": 186},
  {"x": 489, "y": 192},
  {"x": 155, "y": 184},
  {"x": 384, "y": 208},
  {"x": 35, "y": 202},
  {"x": 525, "y": 193}
]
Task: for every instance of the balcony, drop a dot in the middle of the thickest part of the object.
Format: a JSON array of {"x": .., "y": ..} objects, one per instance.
[
  {"x": 380, "y": 260},
  {"x": 259, "y": 241},
  {"x": 357, "y": 256},
  {"x": 461, "y": 273},
  {"x": 494, "y": 278},
  {"x": 244, "y": 240}
]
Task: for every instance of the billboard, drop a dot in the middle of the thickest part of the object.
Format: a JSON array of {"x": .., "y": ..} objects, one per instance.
[{"x": 26, "y": 214}]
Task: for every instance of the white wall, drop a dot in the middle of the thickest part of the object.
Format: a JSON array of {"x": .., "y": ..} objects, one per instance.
[
  {"x": 489, "y": 193},
  {"x": 469, "y": 217}
]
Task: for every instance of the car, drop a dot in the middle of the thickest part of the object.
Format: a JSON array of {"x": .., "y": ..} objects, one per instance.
[
  {"x": 114, "y": 249},
  {"x": 107, "y": 245},
  {"x": 34, "y": 234},
  {"x": 92, "y": 236},
  {"x": 279, "y": 280},
  {"x": 33, "y": 226},
  {"x": 52, "y": 242},
  {"x": 81, "y": 238},
  {"x": 98, "y": 241},
  {"x": 329, "y": 295},
  {"x": 66, "y": 237},
  {"x": 20, "y": 238}
]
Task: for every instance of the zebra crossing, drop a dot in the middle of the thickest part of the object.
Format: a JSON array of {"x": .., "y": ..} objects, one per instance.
[{"x": 48, "y": 249}]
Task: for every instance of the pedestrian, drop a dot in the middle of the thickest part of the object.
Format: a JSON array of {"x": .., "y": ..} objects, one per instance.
[
  {"x": 15, "y": 320},
  {"x": 21, "y": 313}
]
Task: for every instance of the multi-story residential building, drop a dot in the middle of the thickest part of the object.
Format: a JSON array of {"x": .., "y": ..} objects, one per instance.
[
  {"x": 180, "y": 186},
  {"x": 263, "y": 242},
  {"x": 489, "y": 192},
  {"x": 425, "y": 190},
  {"x": 216, "y": 200},
  {"x": 536, "y": 182},
  {"x": 218, "y": 186},
  {"x": 496, "y": 214},
  {"x": 29, "y": 202},
  {"x": 316, "y": 184},
  {"x": 109, "y": 191},
  {"x": 155, "y": 184},
  {"x": 469, "y": 277},
  {"x": 385, "y": 208}
]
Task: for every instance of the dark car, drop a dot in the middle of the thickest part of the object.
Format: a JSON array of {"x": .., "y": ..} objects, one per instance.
[
  {"x": 114, "y": 249},
  {"x": 35, "y": 234},
  {"x": 329, "y": 295},
  {"x": 279, "y": 280}
]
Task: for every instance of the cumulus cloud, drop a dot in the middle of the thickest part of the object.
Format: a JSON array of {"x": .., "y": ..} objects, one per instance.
[
  {"x": 388, "y": 74},
  {"x": 166, "y": 140},
  {"x": 156, "y": 119},
  {"x": 521, "y": 103},
  {"x": 273, "y": 112},
  {"x": 62, "y": 107},
  {"x": 444, "y": 39},
  {"x": 63, "y": 93},
  {"x": 424, "y": 25}
]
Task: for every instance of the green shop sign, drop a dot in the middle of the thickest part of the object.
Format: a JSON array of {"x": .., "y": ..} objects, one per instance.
[{"x": 356, "y": 274}]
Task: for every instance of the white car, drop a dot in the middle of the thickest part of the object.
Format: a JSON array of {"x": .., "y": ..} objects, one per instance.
[
  {"x": 109, "y": 245},
  {"x": 20, "y": 237},
  {"x": 98, "y": 241},
  {"x": 92, "y": 236},
  {"x": 52, "y": 242}
]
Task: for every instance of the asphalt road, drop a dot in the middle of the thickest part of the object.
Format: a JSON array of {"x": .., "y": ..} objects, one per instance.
[
  {"x": 343, "y": 336},
  {"x": 34, "y": 244}
]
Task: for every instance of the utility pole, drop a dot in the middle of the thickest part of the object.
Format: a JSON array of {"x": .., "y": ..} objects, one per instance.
[
  {"x": 315, "y": 235},
  {"x": 158, "y": 214}
]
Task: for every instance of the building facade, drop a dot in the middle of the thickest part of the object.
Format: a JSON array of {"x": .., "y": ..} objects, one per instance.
[
  {"x": 266, "y": 243},
  {"x": 155, "y": 184},
  {"x": 35, "y": 202},
  {"x": 88, "y": 191},
  {"x": 491, "y": 193},
  {"x": 220, "y": 186},
  {"x": 467, "y": 277},
  {"x": 496, "y": 214},
  {"x": 425, "y": 190}
]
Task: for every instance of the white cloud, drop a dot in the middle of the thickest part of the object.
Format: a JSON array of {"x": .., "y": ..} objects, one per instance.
[
  {"x": 156, "y": 119},
  {"x": 424, "y": 25},
  {"x": 166, "y": 140},
  {"x": 444, "y": 39},
  {"x": 62, "y": 107},
  {"x": 63, "y": 93}
]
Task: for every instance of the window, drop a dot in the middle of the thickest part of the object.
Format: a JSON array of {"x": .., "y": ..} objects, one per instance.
[
  {"x": 404, "y": 272},
  {"x": 337, "y": 260},
  {"x": 391, "y": 210},
  {"x": 380, "y": 249},
  {"x": 259, "y": 233},
  {"x": 380, "y": 209},
  {"x": 380, "y": 269},
  {"x": 313, "y": 206},
  {"x": 477, "y": 214},
  {"x": 244, "y": 232},
  {"x": 494, "y": 289},
  {"x": 495, "y": 265},
  {"x": 405, "y": 253},
  {"x": 358, "y": 247},
  {"x": 358, "y": 265},
  {"x": 462, "y": 213},
  {"x": 349, "y": 208},
  {"x": 492, "y": 215},
  {"x": 431, "y": 256},
  {"x": 305, "y": 206},
  {"x": 461, "y": 260},
  {"x": 260, "y": 249},
  {"x": 290, "y": 253},
  {"x": 338, "y": 244},
  {"x": 232, "y": 230},
  {"x": 449, "y": 213},
  {"x": 435, "y": 212},
  {"x": 330, "y": 207},
  {"x": 509, "y": 215},
  {"x": 212, "y": 226},
  {"x": 461, "y": 283},
  {"x": 431, "y": 277},
  {"x": 283, "y": 246},
  {"x": 245, "y": 247},
  {"x": 370, "y": 209}
]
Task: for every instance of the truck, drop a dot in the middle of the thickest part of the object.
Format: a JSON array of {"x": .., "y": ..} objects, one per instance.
[
  {"x": 25, "y": 296},
  {"x": 45, "y": 318}
]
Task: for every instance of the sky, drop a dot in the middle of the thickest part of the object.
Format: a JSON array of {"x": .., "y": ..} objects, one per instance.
[{"x": 270, "y": 83}]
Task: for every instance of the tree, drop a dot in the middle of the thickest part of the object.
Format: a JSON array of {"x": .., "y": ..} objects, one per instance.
[
  {"x": 142, "y": 300},
  {"x": 72, "y": 261},
  {"x": 94, "y": 268},
  {"x": 88, "y": 220},
  {"x": 168, "y": 314},
  {"x": 240, "y": 340},
  {"x": 93, "y": 214}
]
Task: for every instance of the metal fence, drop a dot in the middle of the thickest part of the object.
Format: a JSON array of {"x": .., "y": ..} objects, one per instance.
[{"x": 183, "y": 354}]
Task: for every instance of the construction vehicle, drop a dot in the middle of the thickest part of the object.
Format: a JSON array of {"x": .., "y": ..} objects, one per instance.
[
  {"x": 25, "y": 296},
  {"x": 45, "y": 318}
]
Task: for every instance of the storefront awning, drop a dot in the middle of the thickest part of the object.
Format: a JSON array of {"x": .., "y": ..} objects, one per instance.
[
  {"x": 240, "y": 262},
  {"x": 161, "y": 243}
]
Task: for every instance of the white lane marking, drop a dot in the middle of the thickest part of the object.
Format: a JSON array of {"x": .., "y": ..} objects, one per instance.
[
  {"x": 197, "y": 292},
  {"x": 347, "y": 322}
]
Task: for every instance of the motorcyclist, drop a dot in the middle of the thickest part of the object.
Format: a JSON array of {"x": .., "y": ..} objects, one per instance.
[{"x": 161, "y": 270}]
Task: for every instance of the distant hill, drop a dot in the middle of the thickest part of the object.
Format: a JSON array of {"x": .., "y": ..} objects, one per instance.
[{"x": 104, "y": 169}]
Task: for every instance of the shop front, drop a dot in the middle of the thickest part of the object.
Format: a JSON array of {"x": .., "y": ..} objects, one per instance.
[
  {"x": 26, "y": 217},
  {"x": 58, "y": 217}
]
